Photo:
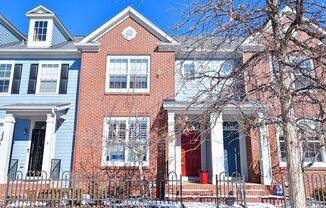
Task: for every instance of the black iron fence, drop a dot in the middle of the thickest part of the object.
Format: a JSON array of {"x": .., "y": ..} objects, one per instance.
[
  {"x": 230, "y": 189},
  {"x": 315, "y": 189},
  {"x": 40, "y": 190}
]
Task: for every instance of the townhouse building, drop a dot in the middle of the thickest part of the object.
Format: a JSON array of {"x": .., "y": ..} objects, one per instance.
[
  {"x": 38, "y": 96},
  {"x": 132, "y": 83}
]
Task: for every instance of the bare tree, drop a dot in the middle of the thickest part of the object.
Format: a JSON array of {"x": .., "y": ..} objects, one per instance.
[{"x": 287, "y": 35}]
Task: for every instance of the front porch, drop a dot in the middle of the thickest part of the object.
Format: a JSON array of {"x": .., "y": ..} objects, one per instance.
[
  {"x": 219, "y": 145},
  {"x": 29, "y": 138}
]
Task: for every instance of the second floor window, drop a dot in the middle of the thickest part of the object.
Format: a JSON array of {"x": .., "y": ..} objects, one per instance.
[
  {"x": 49, "y": 75},
  {"x": 40, "y": 30},
  {"x": 128, "y": 74},
  {"x": 5, "y": 77},
  {"x": 189, "y": 71}
]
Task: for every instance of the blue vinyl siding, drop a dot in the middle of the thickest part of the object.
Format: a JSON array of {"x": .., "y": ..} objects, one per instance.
[
  {"x": 57, "y": 36},
  {"x": 186, "y": 90},
  {"x": 21, "y": 142},
  {"x": 65, "y": 133},
  {"x": 6, "y": 36}
]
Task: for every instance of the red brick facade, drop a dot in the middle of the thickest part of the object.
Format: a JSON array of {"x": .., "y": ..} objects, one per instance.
[{"x": 95, "y": 104}]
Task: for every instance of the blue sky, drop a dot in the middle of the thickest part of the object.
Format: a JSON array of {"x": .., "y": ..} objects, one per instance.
[{"x": 83, "y": 16}]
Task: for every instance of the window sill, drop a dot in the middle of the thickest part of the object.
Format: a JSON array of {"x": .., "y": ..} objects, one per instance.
[
  {"x": 127, "y": 93},
  {"x": 315, "y": 165},
  {"x": 122, "y": 166}
]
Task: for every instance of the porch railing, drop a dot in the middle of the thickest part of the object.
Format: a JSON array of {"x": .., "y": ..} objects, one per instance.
[{"x": 230, "y": 189}]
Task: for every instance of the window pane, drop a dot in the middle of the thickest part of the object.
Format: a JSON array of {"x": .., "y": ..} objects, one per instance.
[
  {"x": 226, "y": 69},
  {"x": 282, "y": 149},
  {"x": 48, "y": 86},
  {"x": 138, "y": 66},
  {"x": 115, "y": 152},
  {"x": 312, "y": 151},
  {"x": 189, "y": 70},
  {"x": 138, "y": 130},
  {"x": 118, "y": 81},
  {"x": 138, "y": 82},
  {"x": 118, "y": 66},
  {"x": 132, "y": 156}
]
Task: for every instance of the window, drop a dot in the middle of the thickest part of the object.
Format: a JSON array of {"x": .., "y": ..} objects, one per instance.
[
  {"x": 128, "y": 73},
  {"x": 5, "y": 77},
  {"x": 48, "y": 78},
  {"x": 122, "y": 138},
  {"x": 189, "y": 71},
  {"x": 302, "y": 70},
  {"x": 40, "y": 29},
  {"x": 312, "y": 146},
  {"x": 226, "y": 69}
]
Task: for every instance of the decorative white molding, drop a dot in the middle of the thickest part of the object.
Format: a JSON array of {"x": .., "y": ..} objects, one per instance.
[{"x": 129, "y": 33}]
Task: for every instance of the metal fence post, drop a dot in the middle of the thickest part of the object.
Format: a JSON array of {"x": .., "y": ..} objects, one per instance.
[{"x": 181, "y": 190}]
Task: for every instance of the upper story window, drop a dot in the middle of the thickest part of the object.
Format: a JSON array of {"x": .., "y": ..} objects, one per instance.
[
  {"x": 5, "y": 77},
  {"x": 189, "y": 71},
  {"x": 303, "y": 70},
  {"x": 226, "y": 68},
  {"x": 49, "y": 75},
  {"x": 122, "y": 138},
  {"x": 40, "y": 30},
  {"x": 128, "y": 74}
]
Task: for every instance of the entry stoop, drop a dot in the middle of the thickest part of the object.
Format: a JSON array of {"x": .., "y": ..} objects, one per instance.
[{"x": 255, "y": 193}]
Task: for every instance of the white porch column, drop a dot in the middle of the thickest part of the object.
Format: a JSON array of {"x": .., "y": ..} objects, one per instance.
[
  {"x": 48, "y": 144},
  {"x": 265, "y": 155},
  {"x": 5, "y": 146},
  {"x": 172, "y": 143},
  {"x": 217, "y": 145}
]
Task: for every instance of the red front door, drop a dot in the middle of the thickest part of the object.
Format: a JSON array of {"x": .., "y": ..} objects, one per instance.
[{"x": 190, "y": 153}]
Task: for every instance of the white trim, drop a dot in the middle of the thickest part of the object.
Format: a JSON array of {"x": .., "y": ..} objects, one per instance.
[
  {"x": 49, "y": 33},
  {"x": 38, "y": 83},
  {"x": 11, "y": 77},
  {"x": 127, "y": 89},
  {"x": 124, "y": 14},
  {"x": 104, "y": 146}
]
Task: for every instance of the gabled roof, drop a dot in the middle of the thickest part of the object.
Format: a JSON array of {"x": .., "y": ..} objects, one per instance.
[
  {"x": 124, "y": 14},
  {"x": 12, "y": 28},
  {"x": 41, "y": 11}
]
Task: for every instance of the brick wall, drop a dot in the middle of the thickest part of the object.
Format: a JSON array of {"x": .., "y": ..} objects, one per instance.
[{"x": 95, "y": 104}]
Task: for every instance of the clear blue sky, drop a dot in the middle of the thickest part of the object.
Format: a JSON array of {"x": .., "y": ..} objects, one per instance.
[{"x": 83, "y": 16}]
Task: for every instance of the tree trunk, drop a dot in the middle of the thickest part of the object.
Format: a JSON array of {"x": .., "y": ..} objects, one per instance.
[
  {"x": 292, "y": 144},
  {"x": 141, "y": 175}
]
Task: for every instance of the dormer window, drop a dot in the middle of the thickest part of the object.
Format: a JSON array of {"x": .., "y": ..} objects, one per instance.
[{"x": 40, "y": 30}]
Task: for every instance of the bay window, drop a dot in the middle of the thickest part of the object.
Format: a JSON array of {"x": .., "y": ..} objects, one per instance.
[
  {"x": 124, "y": 138},
  {"x": 128, "y": 74}
]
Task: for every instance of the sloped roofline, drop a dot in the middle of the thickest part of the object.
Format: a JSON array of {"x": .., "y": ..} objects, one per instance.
[
  {"x": 124, "y": 14},
  {"x": 33, "y": 13},
  {"x": 12, "y": 28}
]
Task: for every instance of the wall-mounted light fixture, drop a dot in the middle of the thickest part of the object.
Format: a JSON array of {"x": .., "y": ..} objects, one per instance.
[{"x": 25, "y": 131}]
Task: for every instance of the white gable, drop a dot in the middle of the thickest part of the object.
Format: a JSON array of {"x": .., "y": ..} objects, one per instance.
[{"x": 128, "y": 12}]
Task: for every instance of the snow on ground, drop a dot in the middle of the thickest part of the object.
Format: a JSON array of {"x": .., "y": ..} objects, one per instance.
[{"x": 211, "y": 205}]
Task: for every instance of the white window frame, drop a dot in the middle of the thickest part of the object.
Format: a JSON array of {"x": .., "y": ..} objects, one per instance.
[
  {"x": 11, "y": 76},
  {"x": 105, "y": 140},
  {"x": 186, "y": 77},
  {"x": 38, "y": 83},
  {"x": 35, "y": 35},
  {"x": 283, "y": 164},
  {"x": 128, "y": 89}
]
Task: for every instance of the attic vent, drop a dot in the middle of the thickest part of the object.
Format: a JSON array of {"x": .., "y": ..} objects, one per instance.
[{"x": 129, "y": 33}]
